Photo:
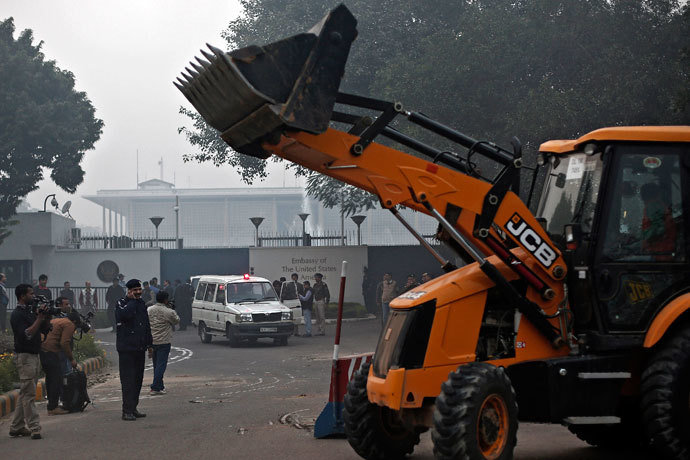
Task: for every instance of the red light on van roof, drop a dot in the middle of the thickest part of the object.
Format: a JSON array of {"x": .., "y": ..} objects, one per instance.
[
  {"x": 246, "y": 276},
  {"x": 221, "y": 286}
]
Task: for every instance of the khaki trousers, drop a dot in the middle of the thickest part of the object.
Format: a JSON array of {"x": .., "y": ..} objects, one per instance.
[
  {"x": 320, "y": 313},
  {"x": 25, "y": 414}
]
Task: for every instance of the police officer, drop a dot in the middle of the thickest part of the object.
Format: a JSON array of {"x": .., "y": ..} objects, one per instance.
[{"x": 133, "y": 340}]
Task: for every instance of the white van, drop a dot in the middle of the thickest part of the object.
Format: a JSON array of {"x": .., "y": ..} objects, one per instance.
[{"x": 239, "y": 307}]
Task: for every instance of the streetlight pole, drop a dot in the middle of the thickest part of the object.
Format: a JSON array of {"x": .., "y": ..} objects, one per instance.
[
  {"x": 53, "y": 202},
  {"x": 156, "y": 221},
  {"x": 304, "y": 216},
  {"x": 176, "y": 208},
  {"x": 358, "y": 221},
  {"x": 342, "y": 217},
  {"x": 257, "y": 221}
]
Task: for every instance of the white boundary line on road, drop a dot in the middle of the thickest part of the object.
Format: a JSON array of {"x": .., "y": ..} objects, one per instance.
[{"x": 184, "y": 353}]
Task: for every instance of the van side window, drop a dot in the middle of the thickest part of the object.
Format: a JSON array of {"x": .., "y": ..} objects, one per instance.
[
  {"x": 200, "y": 291},
  {"x": 220, "y": 295},
  {"x": 210, "y": 292}
]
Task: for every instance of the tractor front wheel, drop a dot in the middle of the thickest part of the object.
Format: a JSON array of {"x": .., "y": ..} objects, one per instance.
[
  {"x": 665, "y": 390},
  {"x": 476, "y": 415},
  {"x": 374, "y": 432}
]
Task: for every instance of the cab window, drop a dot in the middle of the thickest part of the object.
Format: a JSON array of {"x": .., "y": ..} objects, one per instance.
[
  {"x": 645, "y": 220},
  {"x": 210, "y": 292},
  {"x": 200, "y": 291}
]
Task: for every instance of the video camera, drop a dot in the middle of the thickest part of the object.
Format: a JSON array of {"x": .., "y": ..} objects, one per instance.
[
  {"x": 171, "y": 304},
  {"x": 84, "y": 324},
  {"x": 41, "y": 304}
]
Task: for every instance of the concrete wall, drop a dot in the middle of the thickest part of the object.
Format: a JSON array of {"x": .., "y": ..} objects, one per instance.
[
  {"x": 35, "y": 229},
  {"x": 183, "y": 263},
  {"x": 79, "y": 265},
  {"x": 272, "y": 263}
]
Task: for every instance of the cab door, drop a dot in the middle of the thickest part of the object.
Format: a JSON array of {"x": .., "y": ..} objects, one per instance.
[
  {"x": 641, "y": 257},
  {"x": 198, "y": 311},
  {"x": 210, "y": 307}
]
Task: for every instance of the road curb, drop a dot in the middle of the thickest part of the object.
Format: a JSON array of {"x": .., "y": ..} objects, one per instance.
[
  {"x": 8, "y": 401},
  {"x": 349, "y": 320}
]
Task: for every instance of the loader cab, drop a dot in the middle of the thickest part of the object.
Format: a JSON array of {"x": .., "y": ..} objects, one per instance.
[{"x": 618, "y": 209}]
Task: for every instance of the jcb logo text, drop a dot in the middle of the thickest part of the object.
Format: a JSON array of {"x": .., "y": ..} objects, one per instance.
[{"x": 531, "y": 240}]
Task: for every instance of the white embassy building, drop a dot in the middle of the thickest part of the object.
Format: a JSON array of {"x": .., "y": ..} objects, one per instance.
[{"x": 220, "y": 217}]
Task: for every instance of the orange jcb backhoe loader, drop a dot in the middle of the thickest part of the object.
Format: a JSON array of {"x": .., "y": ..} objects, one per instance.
[{"x": 579, "y": 316}]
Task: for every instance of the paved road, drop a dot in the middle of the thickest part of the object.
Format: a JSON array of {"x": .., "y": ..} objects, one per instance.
[{"x": 229, "y": 402}]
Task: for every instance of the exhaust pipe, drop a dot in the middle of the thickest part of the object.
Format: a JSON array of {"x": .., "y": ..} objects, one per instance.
[{"x": 255, "y": 93}]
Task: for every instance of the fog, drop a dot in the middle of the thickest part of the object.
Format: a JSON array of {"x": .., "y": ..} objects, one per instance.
[{"x": 124, "y": 55}]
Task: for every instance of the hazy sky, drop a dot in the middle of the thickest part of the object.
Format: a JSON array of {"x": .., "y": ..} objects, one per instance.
[{"x": 124, "y": 55}]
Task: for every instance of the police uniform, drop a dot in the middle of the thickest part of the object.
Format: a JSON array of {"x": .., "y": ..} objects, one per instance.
[{"x": 133, "y": 339}]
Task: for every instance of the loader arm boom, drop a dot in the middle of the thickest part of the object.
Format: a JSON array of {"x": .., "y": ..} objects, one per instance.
[
  {"x": 398, "y": 178},
  {"x": 279, "y": 99}
]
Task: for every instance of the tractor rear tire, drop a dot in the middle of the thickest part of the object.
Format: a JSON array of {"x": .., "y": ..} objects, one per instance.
[
  {"x": 665, "y": 404},
  {"x": 475, "y": 415},
  {"x": 374, "y": 431}
]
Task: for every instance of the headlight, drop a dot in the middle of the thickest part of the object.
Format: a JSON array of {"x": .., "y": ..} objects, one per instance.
[
  {"x": 287, "y": 315},
  {"x": 243, "y": 318}
]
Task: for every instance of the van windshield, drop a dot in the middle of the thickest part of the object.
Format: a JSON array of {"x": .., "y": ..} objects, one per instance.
[{"x": 249, "y": 292}]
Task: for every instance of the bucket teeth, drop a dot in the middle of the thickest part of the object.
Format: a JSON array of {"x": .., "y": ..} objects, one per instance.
[
  {"x": 197, "y": 67},
  {"x": 191, "y": 72},
  {"x": 217, "y": 51},
  {"x": 189, "y": 78},
  {"x": 203, "y": 63},
  {"x": 178, "y": 86},
  {"x": 210, "y": 56}
]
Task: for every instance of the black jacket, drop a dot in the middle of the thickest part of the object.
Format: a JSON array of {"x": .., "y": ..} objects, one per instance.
[
  {"x": 133, "y": 328},
  {"x": 22, "y": 318},
  {"x": 113, "y": 295}
]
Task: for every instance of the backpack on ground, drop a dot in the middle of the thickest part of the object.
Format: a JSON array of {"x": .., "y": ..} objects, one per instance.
[{"x": 74, "y": 395}]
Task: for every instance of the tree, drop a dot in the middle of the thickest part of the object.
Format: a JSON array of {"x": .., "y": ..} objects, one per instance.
[
  {"x": 536, "y": 69},
  {"x": 44, "y": 122}
]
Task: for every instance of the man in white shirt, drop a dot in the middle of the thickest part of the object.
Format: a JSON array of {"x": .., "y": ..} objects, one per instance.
[{"x": 162, "y": 317}]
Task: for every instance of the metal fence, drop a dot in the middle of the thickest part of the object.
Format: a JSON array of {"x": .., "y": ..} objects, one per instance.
[
  {"x": 55, "y": 291},
  {"x": 126, "y": 242},
  {"x": 333, "y": 238}
]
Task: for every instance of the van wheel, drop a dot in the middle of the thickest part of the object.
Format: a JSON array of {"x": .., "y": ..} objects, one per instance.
[
  {"x": 230, "y": 334},
  {"x": 665, "y": 403},
  {"x": 475, "y": 415},
  {"x": 374, "y": 432},
  {"x": 203, "y": 335}
]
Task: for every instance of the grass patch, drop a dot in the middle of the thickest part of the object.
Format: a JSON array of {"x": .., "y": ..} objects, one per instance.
[
  {"x": 8, "y": 372},
  {"x": 87, "y": 348}
]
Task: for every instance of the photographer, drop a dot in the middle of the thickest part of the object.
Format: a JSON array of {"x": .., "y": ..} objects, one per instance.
[
  {"x": 28, "y": 322},
  {"x": 56, "y": 354},
  {"x": 162, "y": 317},
  {"x": 133, "y": 339}
]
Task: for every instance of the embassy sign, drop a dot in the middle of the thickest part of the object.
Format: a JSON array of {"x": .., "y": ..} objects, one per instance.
[{"x": 530, "y": 240}]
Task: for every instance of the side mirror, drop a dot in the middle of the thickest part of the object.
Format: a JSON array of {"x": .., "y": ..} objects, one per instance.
[{"x": 560, "y": 180}]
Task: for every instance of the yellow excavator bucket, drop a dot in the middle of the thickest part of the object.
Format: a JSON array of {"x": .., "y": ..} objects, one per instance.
[{"x": 254, "y": 92}]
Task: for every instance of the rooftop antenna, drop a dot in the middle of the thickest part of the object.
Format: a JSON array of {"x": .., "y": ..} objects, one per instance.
[
  {"x": 160, "y": 163},
  {"x": 137, "y": 168}
]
